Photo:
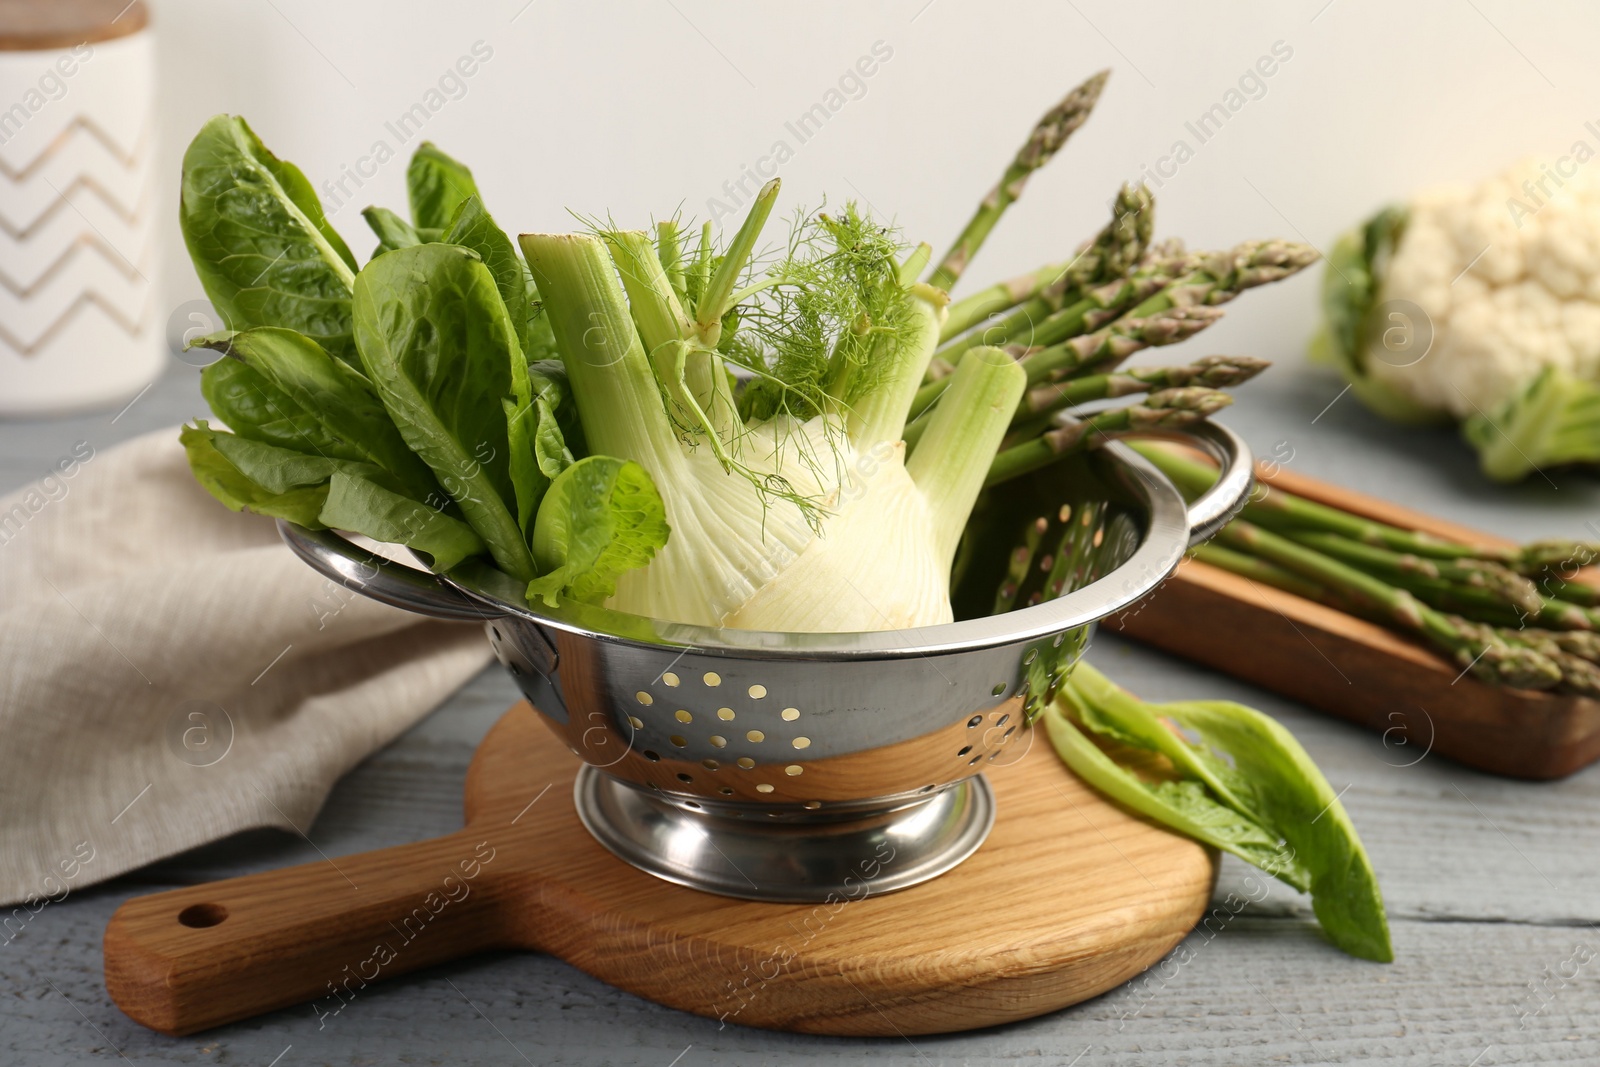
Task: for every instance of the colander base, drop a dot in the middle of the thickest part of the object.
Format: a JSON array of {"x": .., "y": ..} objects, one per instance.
[{"x": 819, "y": 861}]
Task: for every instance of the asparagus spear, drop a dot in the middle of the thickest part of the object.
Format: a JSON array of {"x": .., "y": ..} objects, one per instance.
[
  {"x": 1557, "y": 555},
  {"x": 1109, "y": 345},
  {"x": 1071, "y": 564},
  {"x": 1047, "y": 137},
  {"x": 1578, "y": 675},
  {"x": 1570, "y": 591},
  {"x": 1575, "y": 654},
  {"x": 1019, "y": 565},
  {"x": 1217, "y": 372},
  {"x": 1485, "y": 606},
  {"x": 1038, "y": 407},
  {"x": 1221, "y": 277},
  {"x": 1284, "y": 511},
  {"x": 1113, "y": 253},
  {"x": 1584, "y": 643},
  {"x": 1036, "y": 324},
  {"x": 1498, "y": 582},
  {"x": 1190, "y": 299},
  {"x": 1168, "y": 409},
  {"x": 1479, "y": 604},
  {"x": 1001, "y": 296},
  {"x": 1260, "y": 570},
  {"x": 1112, "y": 344},
  {"x": 1480, "y": 650}
]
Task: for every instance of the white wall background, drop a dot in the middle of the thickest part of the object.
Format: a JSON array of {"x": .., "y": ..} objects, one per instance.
[{"x": 637, "y": 108}]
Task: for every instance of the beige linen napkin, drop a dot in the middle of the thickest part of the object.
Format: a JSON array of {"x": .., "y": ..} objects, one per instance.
[{"x": 170, "y": 673}]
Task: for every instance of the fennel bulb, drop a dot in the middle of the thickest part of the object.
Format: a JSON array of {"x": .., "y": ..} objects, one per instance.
[{"x": 808, "y": 518}]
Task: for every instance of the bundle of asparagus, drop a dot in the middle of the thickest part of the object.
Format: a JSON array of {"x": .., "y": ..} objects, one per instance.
[
  {"x": 1509, "y": 616},
  {"x": 1070, "y": 325}
]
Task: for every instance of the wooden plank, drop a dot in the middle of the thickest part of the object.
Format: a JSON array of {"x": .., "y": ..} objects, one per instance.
[
  {"x": 1360, "y": 671},
  {"x": 1250, "y": 990}
]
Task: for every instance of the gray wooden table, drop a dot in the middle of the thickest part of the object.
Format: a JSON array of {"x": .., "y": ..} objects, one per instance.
[{"x": 1493, "y": 886}]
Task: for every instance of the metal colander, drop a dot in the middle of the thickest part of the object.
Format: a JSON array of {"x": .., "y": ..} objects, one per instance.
[{"x": 782, "y": 766}]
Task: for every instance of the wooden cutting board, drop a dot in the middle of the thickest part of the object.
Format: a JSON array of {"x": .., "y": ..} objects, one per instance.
[
  {"x": 1420, "y": 702},
  {"x": 1069, "y": 897}
]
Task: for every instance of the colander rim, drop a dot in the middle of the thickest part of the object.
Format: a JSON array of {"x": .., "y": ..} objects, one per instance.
[{"x": 1165, "y": 537}]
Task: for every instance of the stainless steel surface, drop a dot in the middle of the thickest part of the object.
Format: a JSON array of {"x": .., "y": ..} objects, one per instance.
[
  {"x": 382, "y": 579},
  {"x": 797, "y": 736},
  {"x": 718, "y": 849},
  {"x": 1212, "y": 510}
]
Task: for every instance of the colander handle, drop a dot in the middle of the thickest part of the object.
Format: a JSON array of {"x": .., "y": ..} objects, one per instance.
[
  {"x": 381, "y": 579},
  {"x": 1213, "y": 509}
]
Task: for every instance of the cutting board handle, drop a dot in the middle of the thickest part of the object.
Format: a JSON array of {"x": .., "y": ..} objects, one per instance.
[{"x": 200, "y": 956}]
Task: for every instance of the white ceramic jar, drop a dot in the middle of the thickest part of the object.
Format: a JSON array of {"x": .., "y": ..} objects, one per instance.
[{"x": 78, "y": 323}]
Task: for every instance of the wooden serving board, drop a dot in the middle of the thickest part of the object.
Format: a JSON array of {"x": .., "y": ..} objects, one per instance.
[
  {"x": 1358, "y": 670},
  {"x": 1069, "y": 897}
]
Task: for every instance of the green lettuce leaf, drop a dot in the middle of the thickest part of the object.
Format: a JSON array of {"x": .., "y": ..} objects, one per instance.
[
  {"x": 280, "y": 470},
  {"x": 436, "y": 185},
  {"x": 601, "y": 518},
  {"x": 253, "y": 407},
  {"x": 361, "y": 503},
  {"x": 338, "y": 397},
  {"x": 392, "y": 230},
  {"x": 528, "y": 480},
  {"x": 539, "y": 451},
  {"x": 1292, "y": 799},
  {"x": 237, "y": 491},
  {"x": 1244, "y": 785},
  {"x": 1185, "y": 806},
  {"x": 259, "y": 240},
  {"x": 318, "y": 492},
  {"x": 472, "y": 227},
  {"x": 441, "y": 351},
  {"x": 564, "y": 440}
]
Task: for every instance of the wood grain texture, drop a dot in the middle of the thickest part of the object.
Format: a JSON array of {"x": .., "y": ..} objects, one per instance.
[
  {"x": 1361, "y": 671},
  {"x": 984, "y": 944}
]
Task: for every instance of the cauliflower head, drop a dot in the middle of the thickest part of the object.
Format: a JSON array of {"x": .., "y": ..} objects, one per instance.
[{"x": 1479, "y": 304}]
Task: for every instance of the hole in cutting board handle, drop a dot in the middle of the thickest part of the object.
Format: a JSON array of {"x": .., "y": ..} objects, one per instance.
[{"x": 200, "y": 916}]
